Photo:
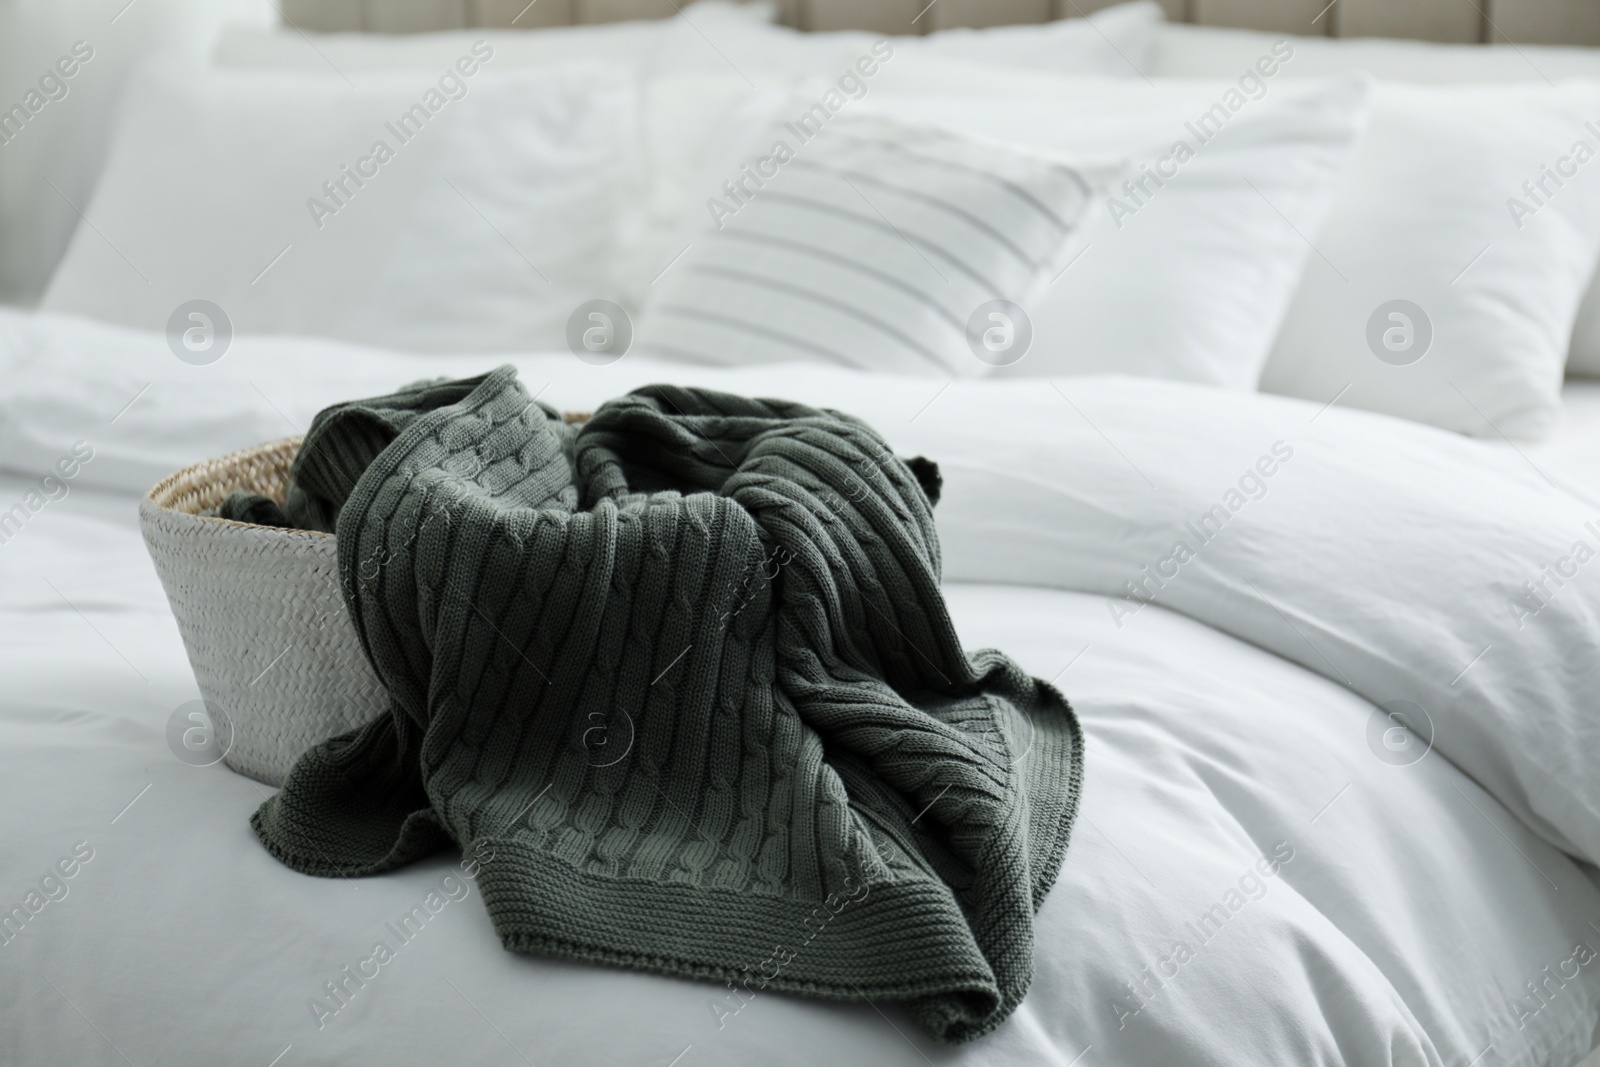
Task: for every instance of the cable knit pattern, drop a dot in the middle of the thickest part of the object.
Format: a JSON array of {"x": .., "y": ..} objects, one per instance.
[{"x": 686, "y": 676}]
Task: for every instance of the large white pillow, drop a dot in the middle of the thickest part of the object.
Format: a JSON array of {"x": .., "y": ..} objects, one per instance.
[
  {"x": 680, "y": 117},
  {"x": 1204, "y": 52},
  {"x": 1184, "y": 51},
  {"x": 715, "y": 57},
  {"x": 1446, "y": 284},
  {"x": 697, "y": 68},
  {"x": 1187, "y": 278},
  {"x": 487, "y": 218},
  {"x": 864, "y": 241},
  {"x": 1115, "y": 41}
]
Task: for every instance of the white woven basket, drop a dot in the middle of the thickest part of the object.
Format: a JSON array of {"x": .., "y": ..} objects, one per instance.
[{"x": 260, "y": 612}]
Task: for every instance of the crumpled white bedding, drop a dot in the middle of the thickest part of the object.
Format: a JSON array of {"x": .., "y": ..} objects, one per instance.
[
  {"x": 1570, "y": 456},
  {"x": 1262, "y": 871}
]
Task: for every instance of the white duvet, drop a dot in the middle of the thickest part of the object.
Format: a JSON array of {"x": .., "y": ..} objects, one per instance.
[{"x": 1336, "y": 768}]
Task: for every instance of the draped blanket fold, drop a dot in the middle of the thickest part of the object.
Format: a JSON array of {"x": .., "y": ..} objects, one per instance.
[{"x": 685, "y": 680}]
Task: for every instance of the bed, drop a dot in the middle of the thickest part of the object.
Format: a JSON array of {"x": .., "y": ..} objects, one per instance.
[{"x": 1339, "y": 805}]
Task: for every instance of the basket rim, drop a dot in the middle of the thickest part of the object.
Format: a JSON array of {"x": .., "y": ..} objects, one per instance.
[
  {"x": 162, "y": 487},
  {"x": 571, "y": 418}
]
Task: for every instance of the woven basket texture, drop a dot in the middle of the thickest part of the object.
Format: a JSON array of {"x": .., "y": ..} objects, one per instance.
[{"x": 260, "y": 612}]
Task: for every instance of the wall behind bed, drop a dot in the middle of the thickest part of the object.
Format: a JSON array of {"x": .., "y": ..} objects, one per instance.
[{"x": 1459, "y": 21}]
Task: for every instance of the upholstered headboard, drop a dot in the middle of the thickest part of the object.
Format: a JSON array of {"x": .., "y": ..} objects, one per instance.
[{"x": 1523, "y": 21}]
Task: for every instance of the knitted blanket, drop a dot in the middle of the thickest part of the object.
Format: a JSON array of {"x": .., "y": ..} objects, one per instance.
[{"x": 686, "y": 678}]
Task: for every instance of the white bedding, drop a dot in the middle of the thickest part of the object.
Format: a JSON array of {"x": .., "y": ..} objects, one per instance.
[
  {"x": 1570, "y": 456},
  {"x": 1410, "y": 906}
]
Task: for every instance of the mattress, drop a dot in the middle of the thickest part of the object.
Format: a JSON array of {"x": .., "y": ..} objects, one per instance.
[
  {"x": 181, "y": 941},
  {"x": 1253, "y": 877}
]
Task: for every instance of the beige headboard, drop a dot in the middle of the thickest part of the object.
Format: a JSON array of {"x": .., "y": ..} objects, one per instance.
[{"x": 1474, "y": 21}]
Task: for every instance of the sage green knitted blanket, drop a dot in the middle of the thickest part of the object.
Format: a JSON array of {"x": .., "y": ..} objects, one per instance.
[{"x": 686, "y": 678}]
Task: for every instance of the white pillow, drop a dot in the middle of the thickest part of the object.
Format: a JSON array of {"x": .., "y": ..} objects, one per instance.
[
  {"x": 1191, "y": 281},
  {"x": 1183, "y": 51},
  {"x": 715, "y": 56},
  {"x": 1115, "y": 41},
  {"x": 1203, "y": 52},
  {"x": 697, "y": 67},
  {"x": 680, "y": 116},
  {"x": 866, "y": 242},
  {"x": 483, "y": 230},
  {"x": 1436, "y": 214}
]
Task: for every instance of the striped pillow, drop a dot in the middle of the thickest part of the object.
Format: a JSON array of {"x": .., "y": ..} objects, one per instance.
[{"x": 866, "y": 241}]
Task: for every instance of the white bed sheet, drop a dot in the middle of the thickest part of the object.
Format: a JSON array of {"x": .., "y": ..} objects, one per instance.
[
  {"x": 1405, "y": 930},
  {"x": 1412, "y": 898}
]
